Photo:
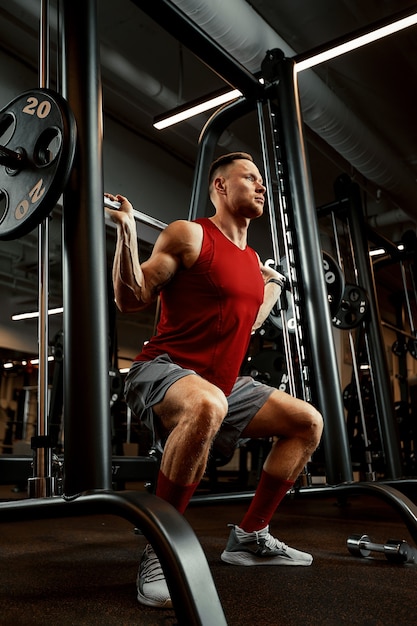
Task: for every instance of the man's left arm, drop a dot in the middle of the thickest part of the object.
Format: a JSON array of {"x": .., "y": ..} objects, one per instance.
[{"x": 274, "y": 284}]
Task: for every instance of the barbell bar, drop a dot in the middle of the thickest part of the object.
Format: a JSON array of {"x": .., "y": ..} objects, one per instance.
[{"x": 139, "y": 216}]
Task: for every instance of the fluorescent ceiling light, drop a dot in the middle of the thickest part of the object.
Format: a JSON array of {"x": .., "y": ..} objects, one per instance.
[
  {"x": 185, "y": 112},
  {"x": 36, "y": 361},
  {"x": 358, "y": 42},
  {"x": 377, "y": 252},
  {"x": 382, "y": 251},
  {"x": 27, "y": 316},
  {"x": 192, "y": 110}
]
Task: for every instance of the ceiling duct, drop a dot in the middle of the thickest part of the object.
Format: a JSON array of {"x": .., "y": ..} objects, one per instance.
[{"x": 237, "y": 28}]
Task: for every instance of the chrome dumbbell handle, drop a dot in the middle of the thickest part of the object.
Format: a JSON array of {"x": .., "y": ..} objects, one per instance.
[{"x": 396, "y": 551}]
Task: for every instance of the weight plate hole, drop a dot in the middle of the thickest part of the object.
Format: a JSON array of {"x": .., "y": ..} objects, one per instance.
[
  {"x": 47, "y": 147},
  {"x": 3, "y": 204},
  {"x": 350, "y": 319},
  {"x": 7, "y": 128}
]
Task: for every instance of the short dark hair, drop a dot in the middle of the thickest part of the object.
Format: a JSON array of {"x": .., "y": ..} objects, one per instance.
[{"x": 225, "y": 159}]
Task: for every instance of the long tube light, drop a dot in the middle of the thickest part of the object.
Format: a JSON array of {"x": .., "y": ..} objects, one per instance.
[
  {"x": 357, "y": 42},
  {"x": 183, "y": 113},
  {"x": 194, "y": 108},
  {"x": 34, "y": 314}
]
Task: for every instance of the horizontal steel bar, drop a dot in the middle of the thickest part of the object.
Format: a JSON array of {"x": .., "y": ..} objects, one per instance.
[{"x": 139, "y": 216}]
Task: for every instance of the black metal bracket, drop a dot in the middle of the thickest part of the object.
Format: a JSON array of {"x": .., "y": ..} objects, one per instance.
[{"x": 188, "y": 576}]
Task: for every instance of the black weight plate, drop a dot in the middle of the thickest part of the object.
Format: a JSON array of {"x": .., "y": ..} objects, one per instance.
[
  {"x": 399, "y": 347},
  {"x": 40, "y": 125},
  {"x": 353, "y": 308},
  {"x": 286, "y": 305},
  {"x": 412, "y": 347},
  {"x": 335, "y": 284},
  {"x": 269, "y": 367}
]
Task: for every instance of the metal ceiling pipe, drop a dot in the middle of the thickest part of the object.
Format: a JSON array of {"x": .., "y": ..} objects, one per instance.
[
  {"x": 237, "y": 27},
  {"x": 388, "y": 218}
]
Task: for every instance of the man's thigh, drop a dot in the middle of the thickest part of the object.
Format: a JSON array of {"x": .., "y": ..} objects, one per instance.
[
  {"x": 186, "y": 398},
  {"x": 282, "y": 415}
]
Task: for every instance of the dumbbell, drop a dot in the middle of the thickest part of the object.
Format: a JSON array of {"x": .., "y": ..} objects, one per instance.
[{"x": 395, "y": 551}]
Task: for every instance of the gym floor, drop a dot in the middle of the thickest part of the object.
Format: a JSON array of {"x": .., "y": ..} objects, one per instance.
[{"x": 81, "y": 571}]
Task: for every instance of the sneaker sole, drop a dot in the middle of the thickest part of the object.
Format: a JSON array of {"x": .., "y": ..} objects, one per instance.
[
  {"x": 244, "y": 558},
  {"x": 166, "y": 604}
]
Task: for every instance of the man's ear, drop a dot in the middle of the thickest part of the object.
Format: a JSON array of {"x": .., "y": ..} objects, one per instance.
[{"x": 219, "y": 184}]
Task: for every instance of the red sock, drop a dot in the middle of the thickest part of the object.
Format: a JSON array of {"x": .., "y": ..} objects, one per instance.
[
  {"x": 177, "y": 495},
  {"x": 268, "y": 495}
]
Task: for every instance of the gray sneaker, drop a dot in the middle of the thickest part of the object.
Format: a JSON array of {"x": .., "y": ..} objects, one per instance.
[
  {"x": 151, "y": 584},
  {"x": 261, "y": 548}
]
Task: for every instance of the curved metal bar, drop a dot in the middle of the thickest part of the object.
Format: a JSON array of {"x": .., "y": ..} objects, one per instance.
[
  {"x": 208, "y": 140},
  {"x": 189, "y": 579},
  {"x": 390, "y": 493},
  {"x": 406, "y": 508},
  {"x": 401, "y": 503}
]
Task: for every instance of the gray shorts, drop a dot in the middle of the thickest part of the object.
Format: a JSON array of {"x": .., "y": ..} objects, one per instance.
[{"x": 148, "y": 381}]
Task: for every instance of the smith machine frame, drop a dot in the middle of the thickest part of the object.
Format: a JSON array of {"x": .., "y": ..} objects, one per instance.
[
  {"x": 285, "y": 162},
  {"x": 87, "y": 459}
]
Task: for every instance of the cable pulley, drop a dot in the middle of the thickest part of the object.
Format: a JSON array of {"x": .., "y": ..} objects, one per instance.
[{"x": 37, "y": 147}]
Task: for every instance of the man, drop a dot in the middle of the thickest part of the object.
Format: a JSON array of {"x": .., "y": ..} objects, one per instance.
[{"x": 184, "y": 384}]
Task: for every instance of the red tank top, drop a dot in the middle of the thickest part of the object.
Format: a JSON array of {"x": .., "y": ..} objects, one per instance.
[{"x": 208, "y": 310}]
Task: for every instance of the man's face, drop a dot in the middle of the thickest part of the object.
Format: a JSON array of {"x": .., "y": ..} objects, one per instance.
[{"x": 243, "y": 188}]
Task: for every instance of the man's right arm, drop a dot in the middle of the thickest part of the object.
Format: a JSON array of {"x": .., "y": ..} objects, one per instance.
[
  {"x": 127, "y": 272},
  {"x": 138, "y": 285}
]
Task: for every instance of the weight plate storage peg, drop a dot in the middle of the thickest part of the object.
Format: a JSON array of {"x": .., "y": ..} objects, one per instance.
[{"x": 37, "y": 147}]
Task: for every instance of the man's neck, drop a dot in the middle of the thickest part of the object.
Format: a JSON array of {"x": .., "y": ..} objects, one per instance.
[{"x": 236, "y": 232}]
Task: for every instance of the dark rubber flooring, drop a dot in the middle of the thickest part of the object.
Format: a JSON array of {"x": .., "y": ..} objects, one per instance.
[{"x": 81, "y": 571}]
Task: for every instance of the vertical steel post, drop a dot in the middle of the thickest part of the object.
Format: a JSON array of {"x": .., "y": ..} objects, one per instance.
[
  {"x": 86, "y": 335},
  {"x": 384, "y": 403},
  {"x": 324, "y": 362}
]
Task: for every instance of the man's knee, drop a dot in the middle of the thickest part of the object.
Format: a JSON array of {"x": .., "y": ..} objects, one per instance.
[
  {"x": 209, "y": 409},
  {"x": 313, "y": 424}
]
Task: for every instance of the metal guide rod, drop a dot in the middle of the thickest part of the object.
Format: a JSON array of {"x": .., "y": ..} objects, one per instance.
[
  {"x": 139, "y": 216},
  {"x": 269, "y": 184},
  {"x": 289, "y": 245},
  {"x": 274, "y": 237},
  {"x": 407, "y": 298},
  {"x": 370, "y": 474},
  {"x": 42, "y": 484},
  {"x": 345, "y": 188}
]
